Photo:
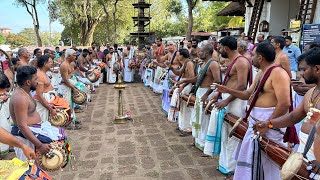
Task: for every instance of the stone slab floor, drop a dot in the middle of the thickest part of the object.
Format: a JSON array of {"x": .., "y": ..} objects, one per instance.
[{"x": 147, "y": 148}]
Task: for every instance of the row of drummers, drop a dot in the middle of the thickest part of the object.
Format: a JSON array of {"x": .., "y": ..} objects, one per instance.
[
  {"x": 61, "y": 100},
  {"x": 197, "y": 103}
]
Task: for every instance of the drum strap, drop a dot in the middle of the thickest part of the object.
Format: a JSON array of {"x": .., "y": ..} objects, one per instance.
[
  {"x": 183, "y": 69},
  {"x": 309, "y": 142},
  {"x": 258, "y": 90},
  {"x": 201, "y": 77},
  {"x": 226, "y": 77}
]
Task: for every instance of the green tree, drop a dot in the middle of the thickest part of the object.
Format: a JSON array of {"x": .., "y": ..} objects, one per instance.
[
  {"x": 87, "y": 14},
  {"x": 45, "y": 36},
  {"x": 206, "y": 19},
  {"x": 3, "y": 39},
  {"x": 28, "y": 34},
  {"x": 16, "y": 40},
  {"x": 30, "y": 6}
]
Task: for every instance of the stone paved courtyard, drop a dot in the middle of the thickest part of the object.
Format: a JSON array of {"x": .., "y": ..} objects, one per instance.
[{"x": 148, "y": 148}]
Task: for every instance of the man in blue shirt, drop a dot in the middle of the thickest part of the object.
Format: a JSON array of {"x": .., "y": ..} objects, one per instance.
[{"x": 293, "y": 52}]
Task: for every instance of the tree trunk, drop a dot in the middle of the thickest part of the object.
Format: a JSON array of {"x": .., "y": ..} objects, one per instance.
[
  {"x": 37, "y": 26},
  {"x": 86, "y": 32},
  {"x": 107, "y": 30},
  {"x": 190, "y": 20},
  {"x": 115, "y": 22},
  {"x": 107, "y": 23},
  {"x": 38, "y": 39}
]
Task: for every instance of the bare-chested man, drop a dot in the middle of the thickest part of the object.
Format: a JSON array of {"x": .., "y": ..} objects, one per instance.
[
  {"x": 236, "y": 77},
  {"x": 68, "y": 81},
  {"x": 6, "y": 139},
  {"x": 25, "y": 117},
  {"x": 189, "y": 46},
  {"x": 127, "y": 58},
  {"x": 186, "y": 72},
  {"x": 242, "y": 49},
  {"x": 310, "y": 67},
  {"x": 44, "y": 63},
  {"x": 272, "y": 101},
  {"x": 83, "y": 62},
  {"x": 210, "y": 73},
  {"x": 24, "y": 57},
  {"x": 282, "y": 59},
  {"x": 93, "y": 49},
  {"x": 161, "y": 62},
  {"x": 36, "y": 53},
  {"x": 194, "y": 52}
]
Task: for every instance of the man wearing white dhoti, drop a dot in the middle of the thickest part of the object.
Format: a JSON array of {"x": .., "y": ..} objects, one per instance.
[
  {"x": 159, "y": 53},
  {"x": 237, "y": 76},
  {"x": 309, "y": 65},
  {"x": 44, "y": 89},
  {"x": 67, "y": 85},
  {"x": 185, "y": 72},
  {"x": 210, "y": 73},
  {"x": 127, "y": 59},
  {"x": 269, "y": 97},
  {"x": 26, "y": 119},
  {"x": 112, "y": 76}
]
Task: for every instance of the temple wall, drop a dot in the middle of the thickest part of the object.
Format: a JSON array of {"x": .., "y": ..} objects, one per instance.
[{"x": 316, "y": 19}]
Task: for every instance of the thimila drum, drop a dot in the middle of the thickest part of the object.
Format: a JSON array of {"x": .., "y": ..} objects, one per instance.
[
  {"x": 79, "y": 98},
  {"x": 57, "y": 158}
]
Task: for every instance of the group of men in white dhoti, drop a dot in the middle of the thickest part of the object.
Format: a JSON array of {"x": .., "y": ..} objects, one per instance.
[
  {"x": 206, "y": 89},
  {"x": 36, "y": 94}
]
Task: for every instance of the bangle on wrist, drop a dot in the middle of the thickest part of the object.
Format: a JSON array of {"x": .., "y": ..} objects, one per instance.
[{"x": 270, "y": 125}]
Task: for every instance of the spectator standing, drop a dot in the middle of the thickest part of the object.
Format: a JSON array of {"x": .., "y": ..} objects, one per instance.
[{"x": 293, "y": 52}]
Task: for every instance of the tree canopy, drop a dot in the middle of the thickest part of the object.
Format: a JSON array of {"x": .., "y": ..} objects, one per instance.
[{"x": 88, "y": 21}]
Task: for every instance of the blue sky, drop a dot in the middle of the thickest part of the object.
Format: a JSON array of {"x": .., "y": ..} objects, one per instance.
[{"x": 17, "y": 18}]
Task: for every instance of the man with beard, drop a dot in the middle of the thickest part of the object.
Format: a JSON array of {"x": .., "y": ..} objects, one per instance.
[
  {"x": 189, "y": 46},
  {"x": 6, "y": 138},
  {"x": 237, "y": 77},
  {"x": 185, "y": 72},
  {"x": 210, "y": 73},
  {"x": 282, "y": 59},
  {"x": 26, "y": 119},
  {"x": 271, "y": 90},
  {"x": 310, "y": 67}
]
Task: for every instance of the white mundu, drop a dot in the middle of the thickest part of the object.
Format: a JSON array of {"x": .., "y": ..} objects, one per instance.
[{"x": 112, "y": 76}]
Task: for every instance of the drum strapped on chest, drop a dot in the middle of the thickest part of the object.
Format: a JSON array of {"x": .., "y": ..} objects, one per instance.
[
  {"x": 164, "y": 73},
  {"x": 172, "y": 90},
  {"x": 277, "y": 153},
  {"x": 190, "y": 100},
  {"x": 94, "y": 75},
  {"x": 295, "y": 166},
  {"x": 58, "y": 156},
  {"x": 131, "y": 64},
  {"x": 61, "y": 118},
  {"x": 209, "y": 106},
  {"x": 79, "y": 98}
]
